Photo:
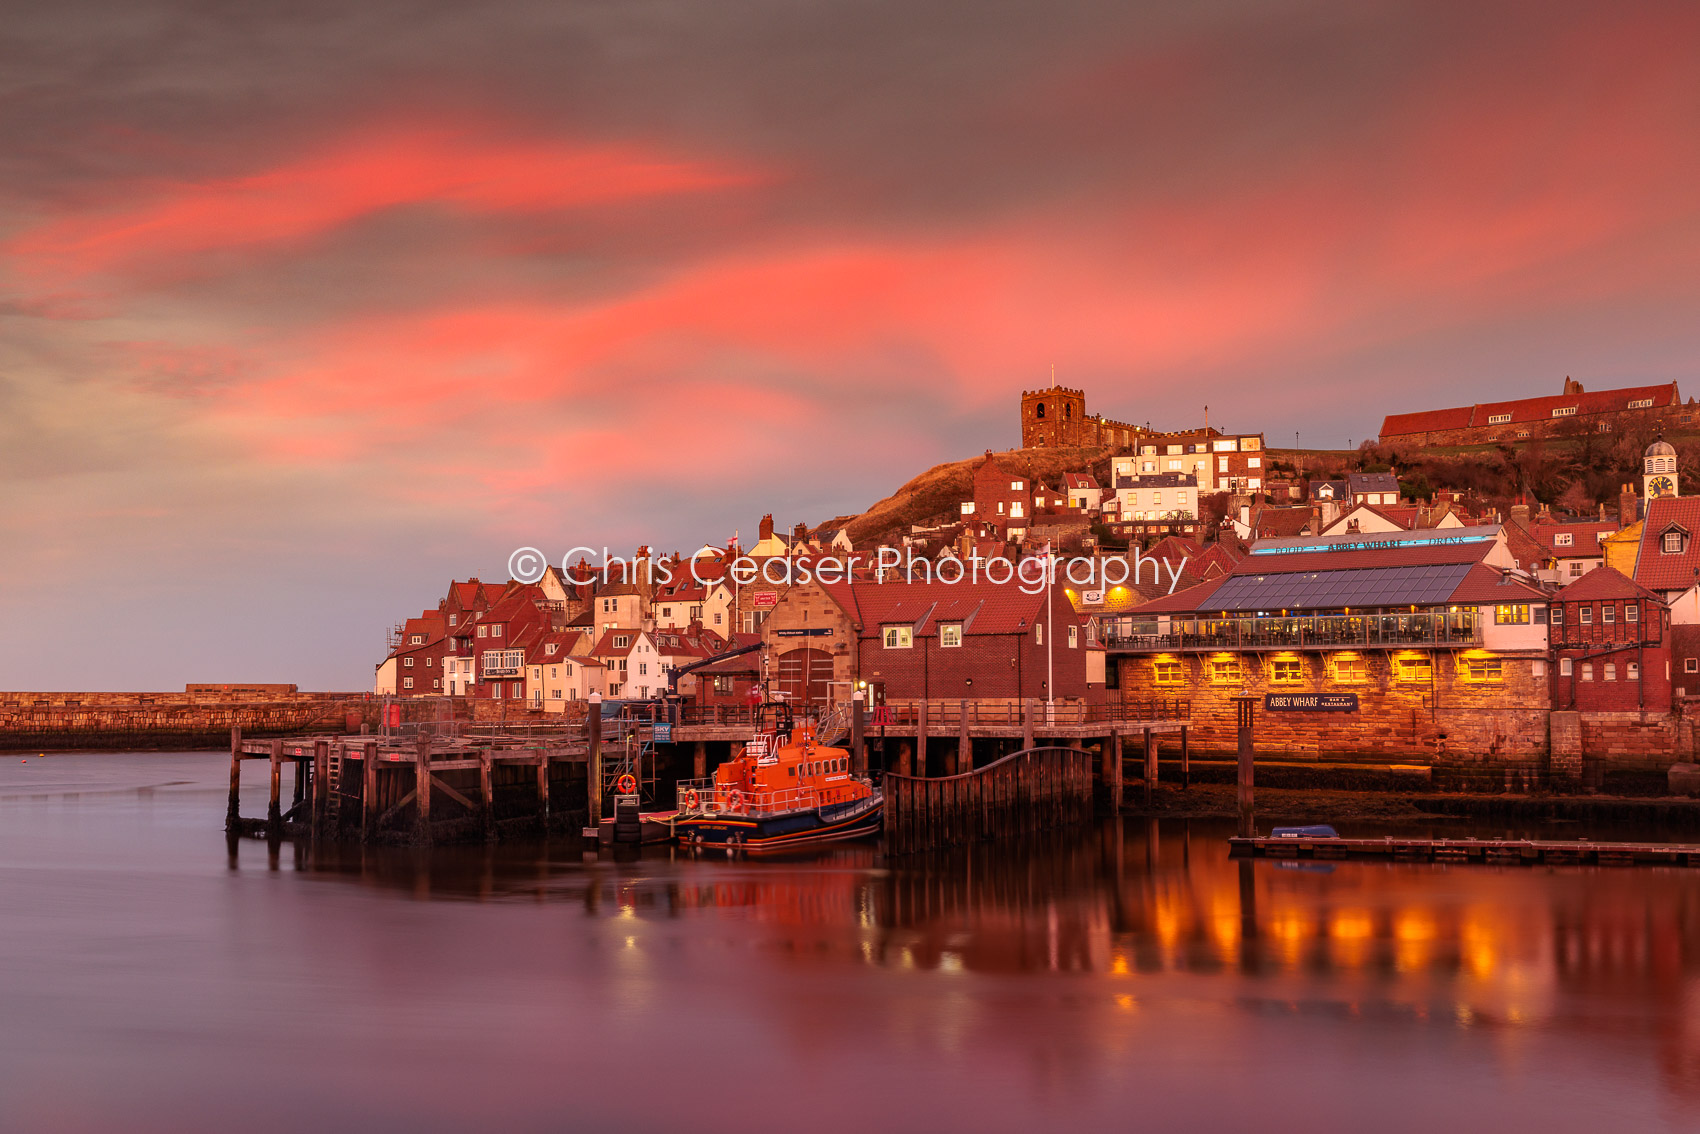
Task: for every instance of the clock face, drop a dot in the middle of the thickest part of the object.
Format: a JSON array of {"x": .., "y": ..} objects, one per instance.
[{"x": 1660, "y": 485}]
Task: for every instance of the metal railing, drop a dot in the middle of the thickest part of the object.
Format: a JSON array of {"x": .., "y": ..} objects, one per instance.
[
  {"x": 1270, "y": 632},
  {"x": 705, "y": 797}
]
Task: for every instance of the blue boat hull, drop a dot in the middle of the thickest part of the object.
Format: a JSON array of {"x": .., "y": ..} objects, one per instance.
[{"x": 855, "y": 820}]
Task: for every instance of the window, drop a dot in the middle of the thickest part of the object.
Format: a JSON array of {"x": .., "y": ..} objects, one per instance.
[
  {"x": 1564, "y": 411},
  {"x": 1641, "y": 403},
  {"x": 1691, "y": 665},
  {"x": 1074, "y": 637},
  {"x": 483, "y": 631},
  {"x": 417, "y": 640},
  {"x": 1586, "y": 616},
  {"x": 899, "y": 637},
  {"x": 554, "y": 671},
  {"x": 1610, "y": 672},
  {"x": 549, "y": 648},
  {"x": 1632, "y": 612},
  {"x": 1039, "y": 633},
  {"x": 1563, "y": 539},
  {"x": 407, "y": 683},
  {"x": 1286, "y": 672},
  {"x": 496, "y": 631},
  {"x": 1511, "y": 614},
  {"x": 1349, "y": 670},
  {"x": 1671, "y": 542},
  {"x": 1577, "y": 568},
  {"x": 555, "y": 694},
  {"x": 1485, "y": 669},
  {"x": 1558, "y": 616},
  {"x": 1015, "y": 485},
  {"x": 1565, "y": 666},
  {"x": 1414, "y": 669},
  {"x": 436, "y": 684},
  {"x": 454, "y": 620},
  {"x": 621, "y": 641},
  {"x": 1225, "y": 671},
  {"x": 1166, "y": 672},
  {"x": 1608, "y": 614},
  {"x": 407, "y": 662},
  {"x": 950, "y": 635},
  {"x": 643, "y": 669},
  {"x": 1498, "y": 418},
  {"x": 430, "y": 661},
  {"x": 717, "y": 618},
  {"x": 1587, "y": 671},
  {"x": 1632, "y": 671}
]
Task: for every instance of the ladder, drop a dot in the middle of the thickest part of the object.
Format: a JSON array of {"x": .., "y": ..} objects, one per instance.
[
  {"x": 333, "y": 784},
  {"x": 834, "y": 724}
]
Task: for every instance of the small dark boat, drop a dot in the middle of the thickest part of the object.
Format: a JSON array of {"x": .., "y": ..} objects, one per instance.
[
  {"x": 1314, "y": 831},
  {"x": 784, "y": 789}
]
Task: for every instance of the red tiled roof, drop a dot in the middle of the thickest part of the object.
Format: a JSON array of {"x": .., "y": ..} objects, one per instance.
[
  {"x": 1604, "y": 583},
  {"x": 605, "y": 647},
  {"x": 1183, "y": 601},
  {"x": 1584, "y": 537},
  {"x": 1526, "y": 410},
  {"x": 1486, "y": 584},
  {"x": 1270, "y": 522},
  {"x": 1079, "y": 480},
  {"x": 1658, "y": 569},
  {"x": 1426, "y": 421},
  {"x": 982, "y": 608}
]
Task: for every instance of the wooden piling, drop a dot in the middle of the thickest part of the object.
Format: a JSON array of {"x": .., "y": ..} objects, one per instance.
[
  {"x": 487, "y": 796},
  {"x": 1113, "y": 771},
  {"x": 593, "y": 767},
  {"x": 1186, "y": 762},
  {"x": 964, "y": 743},
  {"x": 422, "y": 787},
  {"x": 1150, "y": 763},
  {"x": 921, "y": 740},
  {"x": 858, "y": 747},
  {"x": 1027, "y": 722},
  {"x": 274, "y": 809},
  {"x": 234, "y": 811},
  {"x": 699, "y": 761},
  {"x": 1245, "y": 707},
  {"x": 369, "y": 790},
  {"x": 321, "y": 780},
  {"x": 542, "y": 787}
]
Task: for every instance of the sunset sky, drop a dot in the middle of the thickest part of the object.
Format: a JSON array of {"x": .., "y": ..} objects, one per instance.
[{"x": 303, "y": 315}]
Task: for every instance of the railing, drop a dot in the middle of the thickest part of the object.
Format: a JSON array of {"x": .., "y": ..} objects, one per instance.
[
  {"x": 1030, "y": 790},
  {"x": 705, "y": 797},
  {"x": 1323, "y": 631},
  {"x": 945, "y": 714}
]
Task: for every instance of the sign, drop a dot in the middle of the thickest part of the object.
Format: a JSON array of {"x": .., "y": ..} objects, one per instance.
[
  {"x": 804, "y": 632},
  {"x": 663, "y": 733},
  {"x": 1094, "y": 598},
  {"x": 764, "y": 600},
  {"x": 1310, "y": 702}
]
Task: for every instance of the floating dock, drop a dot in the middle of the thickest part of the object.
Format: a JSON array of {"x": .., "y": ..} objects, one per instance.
[{"x": 1493, "y": 852}]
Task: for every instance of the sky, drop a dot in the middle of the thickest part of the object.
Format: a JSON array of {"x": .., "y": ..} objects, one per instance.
[{"x": 307, "y": 309}]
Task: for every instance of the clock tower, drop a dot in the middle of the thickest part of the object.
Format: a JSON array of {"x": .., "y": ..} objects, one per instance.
[{"x": 1658, "y": 470}]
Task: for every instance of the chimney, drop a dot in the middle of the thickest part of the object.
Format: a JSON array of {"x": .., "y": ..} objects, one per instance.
[
  {"x": 766, "y": 529},
  {"x": 1520, "y": 513},
  {"x": 1628, "y": 510}
]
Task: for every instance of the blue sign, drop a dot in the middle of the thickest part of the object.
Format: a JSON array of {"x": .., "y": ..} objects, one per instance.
[
  {"x": 804, "y": 632},
  {"x": 663, "y": 734},
  {"x": 1310, "y": 702}
]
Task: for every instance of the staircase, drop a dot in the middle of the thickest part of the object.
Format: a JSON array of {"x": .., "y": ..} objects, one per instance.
[{"x": 834, "y": 724}]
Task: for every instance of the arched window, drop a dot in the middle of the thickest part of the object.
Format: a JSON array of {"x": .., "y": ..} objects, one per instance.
[
  {"x": 1039, "y": 411},
  {"x": 1068, "y": 411}
]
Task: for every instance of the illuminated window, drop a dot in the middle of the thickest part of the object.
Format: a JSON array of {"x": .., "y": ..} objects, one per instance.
[
  {"x": 1511, "y": 614},
  {"x": 1485, "y": 669},
  {"x": 1562, "y": 539},
  {"x": 1414, "y": 669},
  {"x": 1351, "y": 670},
  {"x": 1282, "y": 672},
  {"x": 899, "y": 637},
  {"x": 1166, "y": 672},
  {"x": 1225, "y": 671},
  {"x": 950, "y": 635}
]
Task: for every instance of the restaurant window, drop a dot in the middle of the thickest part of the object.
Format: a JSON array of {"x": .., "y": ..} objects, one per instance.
[
  {"x": 1485, "y": 669},
  {"x": 1511, "y": 614},
  {"x": 1286, "y": 672},
  {"x": 950, "y": 635},
  {"x": 1414, "y": 668},
  {"x": 899, "y": 637},
  {"x": 1167, "y": 672},
  {"x": 1225, "y": 671},
  {"x": 1351, "y": 670}
]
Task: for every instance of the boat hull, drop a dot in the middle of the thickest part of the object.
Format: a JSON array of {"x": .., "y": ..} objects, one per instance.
[{"x": 855, "y": 820}]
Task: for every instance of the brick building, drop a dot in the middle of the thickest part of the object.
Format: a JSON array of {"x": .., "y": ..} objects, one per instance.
[
  {"x": 1057, "y": 418},
  {"x": 1612, "y": 642},
  {"x": 1528, "y": 418},
  {"x": 1003, "y": 497}
]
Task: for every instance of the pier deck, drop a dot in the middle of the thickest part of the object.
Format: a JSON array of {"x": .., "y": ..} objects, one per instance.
[{"x": 1498, "y": 852}]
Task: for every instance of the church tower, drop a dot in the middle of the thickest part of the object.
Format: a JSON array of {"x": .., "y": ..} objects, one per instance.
[
  {"x": 1658, "y": 470},
  {"x": 1055, "y": 418}
]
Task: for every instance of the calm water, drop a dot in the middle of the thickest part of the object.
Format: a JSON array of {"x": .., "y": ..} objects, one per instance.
[{"x": 1130, "y": 978}]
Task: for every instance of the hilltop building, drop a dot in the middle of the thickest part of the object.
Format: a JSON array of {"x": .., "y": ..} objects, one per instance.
[{"x": 1525, "y": 419}]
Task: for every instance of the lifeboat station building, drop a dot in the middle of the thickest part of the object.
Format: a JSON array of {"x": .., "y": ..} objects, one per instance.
[{"x": 1421, "y": 644}]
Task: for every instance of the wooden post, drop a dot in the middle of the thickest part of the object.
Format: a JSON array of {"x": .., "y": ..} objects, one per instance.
[
  {"x": 369, "y": 790},
  {"x": 234, "y": 811},
  {"x": 1186, "y": 762},
  {"x": 422, "y": 786},
  {"x": 486, "y": 794},
  {"x": 542, "y": 790},
  {"x": 964, "y": 744},
  {"x": 1027, "y": 722},
  {"x": 321, "y": 781},
  {"x": 921, "y": 740},
  {"x": 699, "y": 761},
  {"x": 1150, "y": 762},
  {"x": 593, "y": 767},
  {"x": 1113, "y": 770},
  {"x": 858, "y": 747},
  {"x": 1245, "y": 707},
  {"x": 274, "y": 810}
]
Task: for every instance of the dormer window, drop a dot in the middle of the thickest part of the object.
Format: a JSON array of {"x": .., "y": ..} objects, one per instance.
[
  {"x": 1673, "y": 542},
  {"x": 622, "y": 641},
  {"x": 1562, "y": 539},
  {"x": 549, "y": 648}
]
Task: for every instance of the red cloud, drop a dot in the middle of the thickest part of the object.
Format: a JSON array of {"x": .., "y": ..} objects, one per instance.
[{"x": 361, "y": 176}]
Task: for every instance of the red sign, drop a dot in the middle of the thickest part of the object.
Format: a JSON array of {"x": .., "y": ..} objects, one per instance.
[{"x": 764, "y": 599}]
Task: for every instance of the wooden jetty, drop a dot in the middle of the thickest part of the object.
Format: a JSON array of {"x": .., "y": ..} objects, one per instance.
[
  {"x": 1031, "y": 790},
  {"x": 1498, "y": 852},
  {"x": 420, "y": 788}
]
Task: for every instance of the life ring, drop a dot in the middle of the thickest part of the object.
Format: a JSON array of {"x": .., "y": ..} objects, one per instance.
[
  {"x": 626, "y": 784},
  {"x": 689, "y": 799},
  {"x": 734, "y": 800}
]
